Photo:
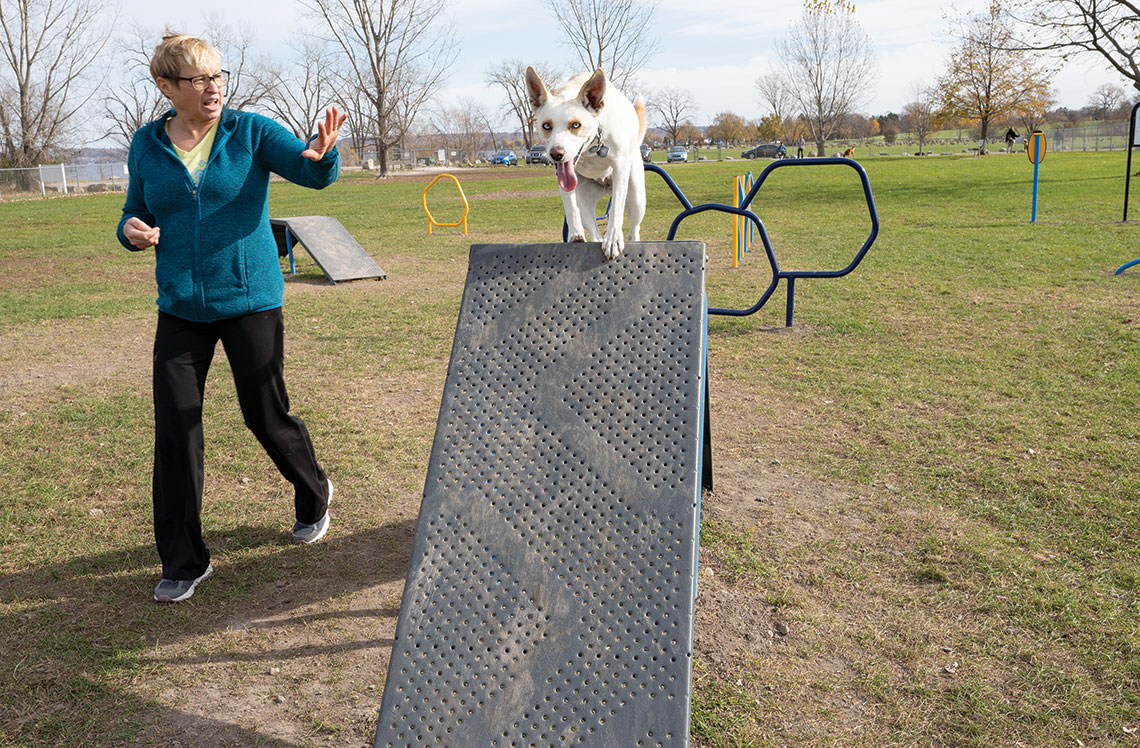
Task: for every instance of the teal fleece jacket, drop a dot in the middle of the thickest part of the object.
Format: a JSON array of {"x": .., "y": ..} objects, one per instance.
[{"x": 217, "y": 257}]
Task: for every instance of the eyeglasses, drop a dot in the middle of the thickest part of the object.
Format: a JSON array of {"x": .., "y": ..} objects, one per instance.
[{"x": 200, "y": 82}]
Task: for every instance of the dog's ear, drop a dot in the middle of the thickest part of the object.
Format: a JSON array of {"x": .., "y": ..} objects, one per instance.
[
  {"x": 593, "y": 93},
  {"x": 535, "y": 89}
]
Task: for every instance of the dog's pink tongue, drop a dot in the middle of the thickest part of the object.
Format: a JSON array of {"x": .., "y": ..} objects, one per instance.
[{"x": 567, "y": 179}]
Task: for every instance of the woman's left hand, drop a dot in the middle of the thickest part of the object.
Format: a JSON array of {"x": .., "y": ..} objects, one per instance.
[{"x": 327, "y": 133}]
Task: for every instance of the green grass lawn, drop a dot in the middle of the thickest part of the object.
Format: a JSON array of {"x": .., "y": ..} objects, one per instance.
[{"x": 930, "y": 481}]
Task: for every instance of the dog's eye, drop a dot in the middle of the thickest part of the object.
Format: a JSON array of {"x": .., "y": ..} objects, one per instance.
[
  {"x": 575, "y": 125},
  {"x": 547, "y": 126}
]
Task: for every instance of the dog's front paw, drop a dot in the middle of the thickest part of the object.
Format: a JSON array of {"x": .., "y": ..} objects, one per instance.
[
  {"x": 577, "y": 239},
  {"x": 611, "y": 248}
]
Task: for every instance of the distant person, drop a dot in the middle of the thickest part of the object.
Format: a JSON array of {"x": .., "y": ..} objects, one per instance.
[
  {"x": 1010, "y": 137},
  {"x": 800, "y": 147},
  {"x": 197, "y": 195}
]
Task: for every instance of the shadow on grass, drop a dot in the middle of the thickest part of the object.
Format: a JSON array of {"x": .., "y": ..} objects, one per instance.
[{"x": 75, "y": 634}]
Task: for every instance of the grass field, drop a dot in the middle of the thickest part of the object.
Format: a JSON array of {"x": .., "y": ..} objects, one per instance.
[{"x": 925, "y": 529}]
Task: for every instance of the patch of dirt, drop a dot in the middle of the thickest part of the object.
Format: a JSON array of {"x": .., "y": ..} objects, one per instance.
[
  {"x": 302, "y": 662},
  {"x": 39, "y": 358}
]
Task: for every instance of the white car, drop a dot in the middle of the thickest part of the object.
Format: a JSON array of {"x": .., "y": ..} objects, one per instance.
[{"x": 677, "y": 153}]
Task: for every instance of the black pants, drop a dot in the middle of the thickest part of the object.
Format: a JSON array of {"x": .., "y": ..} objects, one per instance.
[{"x": 183, "y": 351}]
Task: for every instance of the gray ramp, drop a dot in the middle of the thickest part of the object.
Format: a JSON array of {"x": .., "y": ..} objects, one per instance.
[
  {"x": 549, "y": 597},
  {"x": 335, "y": 250}
]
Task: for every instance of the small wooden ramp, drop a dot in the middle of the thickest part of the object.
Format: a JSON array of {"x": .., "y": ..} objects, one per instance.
[
  {"x": 335, "y": 250},
  {"x": 549, "y": 598}
]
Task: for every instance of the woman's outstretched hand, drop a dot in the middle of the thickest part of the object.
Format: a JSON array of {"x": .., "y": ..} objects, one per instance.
[{"x": 327, "y": 133}]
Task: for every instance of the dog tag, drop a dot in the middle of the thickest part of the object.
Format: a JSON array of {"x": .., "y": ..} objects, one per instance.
[{"x": 603, "y": 152}]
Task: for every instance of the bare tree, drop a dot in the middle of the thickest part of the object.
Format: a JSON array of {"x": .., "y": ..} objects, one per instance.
[
  {"x": 829, "y": 58},
  {"x": 985, "y": 79},
  {"x": 47, "y": 49},
  {"x": 510, "y": 75},
  {"x": 920, "y": 115},
  {"x": 397, "y": 51},
  {"x": 297, "y": 92},
  {"x": 675, "y": 107},
  {"x": 783, "y": 121},
  {"x": 462, "y": 127},
  {"x": 1099, "y": 28},
  {"x": 489, "y": 126},
  {"x": 1105, "y": 100},
  {"x": 773, "y": 93},
  {"x": 357, "y": 106},
  {"x": 614, "y": 35},
  {"x": 245, "y": 88},
  {"x": 134, "y": 100}
]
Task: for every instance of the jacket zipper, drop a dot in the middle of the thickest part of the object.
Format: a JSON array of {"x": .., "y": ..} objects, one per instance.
[{"x": 199, "y": 287}]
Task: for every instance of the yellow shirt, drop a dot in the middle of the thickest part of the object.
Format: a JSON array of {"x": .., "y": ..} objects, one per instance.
[{"x": 196, "y": 158}]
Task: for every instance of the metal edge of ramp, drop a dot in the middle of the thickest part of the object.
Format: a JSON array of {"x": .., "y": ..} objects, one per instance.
[
  {"x": 332, "y": 247},
  {"x": 550, "y": 593}
]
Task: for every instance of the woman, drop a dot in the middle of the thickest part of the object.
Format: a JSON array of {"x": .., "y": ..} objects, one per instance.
[{"x": 198, "y": 191}]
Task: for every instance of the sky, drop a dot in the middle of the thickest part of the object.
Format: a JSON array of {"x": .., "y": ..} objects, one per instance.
[{"x": 715, "y": 49}]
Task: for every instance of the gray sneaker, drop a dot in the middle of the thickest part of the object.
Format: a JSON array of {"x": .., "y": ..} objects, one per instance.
[
  {"x": 305, "y": 533},
  {"x": 177, "y": 590}
]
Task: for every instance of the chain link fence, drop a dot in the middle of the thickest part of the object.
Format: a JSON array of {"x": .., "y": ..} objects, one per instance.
[
  {"x": 1109, "y": 136},
  {"x": 62, "y": 179},
  {"x": 51, "y": 180}
]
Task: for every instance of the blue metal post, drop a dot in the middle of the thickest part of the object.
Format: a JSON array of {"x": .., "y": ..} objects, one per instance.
[{"x": 1036, "y": 170}]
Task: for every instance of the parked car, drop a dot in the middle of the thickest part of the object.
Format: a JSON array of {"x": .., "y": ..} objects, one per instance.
[
  {"x": 646, "y": 151},
  {"x": 505, "y": 157},
  {"x": 766, "y": 150},
  {"x": 677, "y": 153},
  {"x": 537, "y": 155}
]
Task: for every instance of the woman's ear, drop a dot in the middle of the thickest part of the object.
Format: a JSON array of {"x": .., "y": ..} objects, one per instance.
[{"x": 163, "y": 86}]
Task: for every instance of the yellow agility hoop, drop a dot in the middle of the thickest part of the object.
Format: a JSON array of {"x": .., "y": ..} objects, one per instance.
[{"x": 466, "y": 208}]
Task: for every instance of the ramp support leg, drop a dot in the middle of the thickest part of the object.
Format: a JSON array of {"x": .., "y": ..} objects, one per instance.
[
  {"x": 289, "y": 246},
  {"x": 706, "y": 438}
]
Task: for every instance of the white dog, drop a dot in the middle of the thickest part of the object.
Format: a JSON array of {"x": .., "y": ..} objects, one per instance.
[{"x": 593, "y": 134}]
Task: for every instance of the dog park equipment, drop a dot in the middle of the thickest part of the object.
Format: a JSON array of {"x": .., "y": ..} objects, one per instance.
[
  {"x": 1035, "y": 150},
  {"x": 335, "y": 251},
  {"x": 549, "y": 597},
  {"x": 742, "y": 229},
  {"x": 466, "y": 208},
  {"x": 744, "y": 211}
]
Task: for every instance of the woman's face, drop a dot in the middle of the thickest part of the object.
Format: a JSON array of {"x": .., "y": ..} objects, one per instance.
[{"x": 197, "y": 106}]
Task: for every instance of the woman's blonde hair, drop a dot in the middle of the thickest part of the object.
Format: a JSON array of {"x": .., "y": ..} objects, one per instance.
[{"x": 182, "y": 49}]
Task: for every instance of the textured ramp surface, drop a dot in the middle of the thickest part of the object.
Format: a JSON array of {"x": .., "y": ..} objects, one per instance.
[
  {"x": 335, "y": 250},
  {"x": 549, "y": 598}
]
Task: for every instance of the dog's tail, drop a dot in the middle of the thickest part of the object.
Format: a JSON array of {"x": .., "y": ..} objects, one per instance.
[{"x": 642, "y": 118}]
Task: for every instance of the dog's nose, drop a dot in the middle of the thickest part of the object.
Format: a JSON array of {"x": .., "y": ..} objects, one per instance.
[{"x": 557, "y": 153}]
